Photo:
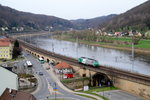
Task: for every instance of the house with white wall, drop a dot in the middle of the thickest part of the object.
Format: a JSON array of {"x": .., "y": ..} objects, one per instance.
[{"x": 8, "y": 79}]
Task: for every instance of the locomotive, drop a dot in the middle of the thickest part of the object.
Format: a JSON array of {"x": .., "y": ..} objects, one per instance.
[{"x": 88, "y": 61}]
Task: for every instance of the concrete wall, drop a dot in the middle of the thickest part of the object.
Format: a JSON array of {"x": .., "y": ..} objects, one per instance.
[
  {"x": 77, "y": 84},
  {"x": 133, "y": 87}
]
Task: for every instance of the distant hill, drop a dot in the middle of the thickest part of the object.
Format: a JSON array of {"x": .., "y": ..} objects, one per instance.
[
  {"x": 12, "y": 18},
  {"x": 137, "y": 18},
  {"x": 92, "y": 23}
]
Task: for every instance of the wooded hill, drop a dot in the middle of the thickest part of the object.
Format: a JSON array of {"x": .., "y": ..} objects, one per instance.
[
  {"x": 92, "y": 23},
  {"x": 12, "y": 18},
  {"x": 137, "y": 18}
]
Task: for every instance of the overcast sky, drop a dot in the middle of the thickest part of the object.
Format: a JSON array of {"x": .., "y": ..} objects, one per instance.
[{"x": 73, "y": 9}]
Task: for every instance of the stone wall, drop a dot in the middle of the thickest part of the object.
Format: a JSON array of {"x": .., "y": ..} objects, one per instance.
[
  {"x": 133, "y": 87},
  {"x": 76, "y": 84}
]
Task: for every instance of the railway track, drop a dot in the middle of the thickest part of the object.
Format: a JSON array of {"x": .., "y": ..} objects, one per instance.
[{"x": 109, "y": 70}]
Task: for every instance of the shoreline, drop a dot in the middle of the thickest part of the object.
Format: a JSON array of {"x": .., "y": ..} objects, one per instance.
[{"x": 112, "y": 46}]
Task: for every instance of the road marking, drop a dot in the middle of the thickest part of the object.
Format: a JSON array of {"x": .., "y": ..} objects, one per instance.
[{"x": 51, "y": 89}]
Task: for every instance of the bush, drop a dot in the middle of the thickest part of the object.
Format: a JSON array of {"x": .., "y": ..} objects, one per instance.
[
  {"x": 74, "y": 80},
  {"x": 25, "y": 75}
]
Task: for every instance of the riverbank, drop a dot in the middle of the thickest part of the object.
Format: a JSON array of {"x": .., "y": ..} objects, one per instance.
[{"x": 139, "y": 51}]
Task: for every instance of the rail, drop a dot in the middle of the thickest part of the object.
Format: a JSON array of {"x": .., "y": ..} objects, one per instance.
[{"x": 144, "y": 79}]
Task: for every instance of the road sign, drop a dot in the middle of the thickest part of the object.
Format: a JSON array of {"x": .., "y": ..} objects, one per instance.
[{"x": 55, "y": 89}]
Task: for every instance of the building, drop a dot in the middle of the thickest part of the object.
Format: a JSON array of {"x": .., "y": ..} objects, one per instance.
[
  {"x": 10, "y": 94},
  {"x": 5, "y": 48},
  {"x": 65, "y": 69},
  {"x": 8, "y": 79}
]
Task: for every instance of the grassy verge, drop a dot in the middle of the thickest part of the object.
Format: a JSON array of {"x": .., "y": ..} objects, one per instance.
[
  {"x": 87, "y": 96},
  {"x": 95, "y": 89},
  {"x": 87, "y": 92},
  {"x": 74, "y": 80}
]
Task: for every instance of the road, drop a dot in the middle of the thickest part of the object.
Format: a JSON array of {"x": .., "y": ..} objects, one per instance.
[
  {"x": 119, "y": 95},
  {"x": 47, "y": 84}
]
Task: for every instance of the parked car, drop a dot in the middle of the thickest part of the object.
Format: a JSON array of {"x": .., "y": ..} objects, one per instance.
[{"x": 40, "y": 73}]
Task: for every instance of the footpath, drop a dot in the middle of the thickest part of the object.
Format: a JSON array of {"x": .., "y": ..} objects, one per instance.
[{"x": 52, "y": 74}]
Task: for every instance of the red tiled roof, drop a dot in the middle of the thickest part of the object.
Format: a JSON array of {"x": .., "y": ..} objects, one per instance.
[
  {"x": 63, "y": 65},
  {"x": 16, "y": 95},
  {"x": 4, "y": 42},
  {"x": 5, "y": 39}
]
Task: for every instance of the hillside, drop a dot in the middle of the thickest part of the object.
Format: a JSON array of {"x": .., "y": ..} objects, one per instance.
[
  {"x": 92, "y": 23},
  {"x": 12, "y": 18},
  {"x": 137, "y": 18}
]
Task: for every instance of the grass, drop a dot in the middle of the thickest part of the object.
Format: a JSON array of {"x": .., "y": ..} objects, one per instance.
[
  {"x": 33, "y": 80},
  {"x": 95, "y": 89},
  {"x": 87, "y": 92},
  {"x": 142, "y": 48},
  {"x": 73, "y": 80},
  {"x": 22, "y": 75},
  {"x": 87, "y": 96},
  {"x": 145, "y": 44}
]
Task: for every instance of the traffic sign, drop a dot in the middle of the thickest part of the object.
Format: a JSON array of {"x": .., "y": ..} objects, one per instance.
[{"x": 55, "y": 89}]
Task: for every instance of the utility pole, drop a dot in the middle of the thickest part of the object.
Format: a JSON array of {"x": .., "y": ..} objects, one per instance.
[
  {"x": 132, "y": 55},
  {"x": 133, "y": 50},
  {"x": 77, "y": 40}
]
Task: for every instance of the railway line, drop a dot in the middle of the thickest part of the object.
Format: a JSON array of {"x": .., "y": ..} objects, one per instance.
[{"x": 107, "y": 70}]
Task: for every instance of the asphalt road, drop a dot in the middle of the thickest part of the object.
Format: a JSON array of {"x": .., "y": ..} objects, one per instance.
[
  {"x": 45, "y": 82},
  {"x": 119, "y": 95}
]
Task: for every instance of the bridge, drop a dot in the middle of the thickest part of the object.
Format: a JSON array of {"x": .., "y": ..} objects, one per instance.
[{"x": 131, "y": 82}]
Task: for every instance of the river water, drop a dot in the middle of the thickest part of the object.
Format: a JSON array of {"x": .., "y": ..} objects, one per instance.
[{"x": 105, "y": 56}]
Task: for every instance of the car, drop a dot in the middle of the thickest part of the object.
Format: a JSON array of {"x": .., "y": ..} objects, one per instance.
[
  {"x": 40, "y": 73},
  {"x": 41, "y": 60}
]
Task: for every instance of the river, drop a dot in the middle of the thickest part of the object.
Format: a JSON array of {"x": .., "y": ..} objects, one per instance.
[{"x": 108, "y": 57}]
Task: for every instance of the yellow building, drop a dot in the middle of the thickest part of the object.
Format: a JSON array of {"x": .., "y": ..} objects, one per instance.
[{"x": 5, "y": 48}]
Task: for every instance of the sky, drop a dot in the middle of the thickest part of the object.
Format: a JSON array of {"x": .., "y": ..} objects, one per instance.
[{"x": 73, "y": 9}]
